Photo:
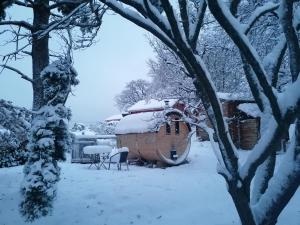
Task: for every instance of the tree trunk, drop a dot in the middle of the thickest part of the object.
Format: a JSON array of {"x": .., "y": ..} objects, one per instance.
[
  {"x": 242, "y": 204},
  {"x": 40, "y": 50}
]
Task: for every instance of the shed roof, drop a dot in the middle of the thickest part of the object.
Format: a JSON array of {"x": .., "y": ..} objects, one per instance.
[
  {"x": 140, "y": 123},
  {"x": 234, "y": 96},
  {"x": 114, "y": 118},
  {"x": 151, "y": 104},
  {"x": 251, "y": 109}
]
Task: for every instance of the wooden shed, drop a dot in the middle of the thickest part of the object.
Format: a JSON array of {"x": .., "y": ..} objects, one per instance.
[
  {"x": 243, "y": 118},
  {"x": 248, "y": 125},
  {"x": 156, "y": 136}
]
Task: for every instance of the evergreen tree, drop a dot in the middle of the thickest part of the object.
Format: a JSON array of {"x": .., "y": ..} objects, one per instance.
[{"x": 49, "y": 140}]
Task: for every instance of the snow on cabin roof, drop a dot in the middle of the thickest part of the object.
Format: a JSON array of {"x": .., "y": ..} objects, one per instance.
[
  {"x": 151, "y": 104},
  {"x": 251, "y": 109},
  {"x": 234, "y": 96},
  {"x": 140, "y": 123},
  {"x": 114, "y": 118}
]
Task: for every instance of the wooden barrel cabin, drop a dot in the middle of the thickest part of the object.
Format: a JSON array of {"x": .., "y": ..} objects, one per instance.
[{"x": 160, "y": 137}]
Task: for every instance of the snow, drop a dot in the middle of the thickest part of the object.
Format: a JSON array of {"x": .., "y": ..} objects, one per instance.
[
  {"x": 97, "y": 149},
  {"x": 151, "y": 104},
  {"x": 190, "y": 194},
  {"x": 80, "y": 136},
  {"x": 269, "y": 6},
  {"x": 289, "y": 171},
  {"x": 139, "y": 123},
  {"x": 110, "y": 142},
  {"x": 114, "y": 118},
  {"x": 250, "y": 109},
  {"x": 118, "y": 150},
  {"x": 3, "y": 131},
  {"x": 85, "y": 132},
  {"x": 233, "y": 96}
]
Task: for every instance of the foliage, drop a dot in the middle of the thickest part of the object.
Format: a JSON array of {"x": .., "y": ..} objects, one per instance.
[
  {"x": 103, "y": 128},
  {"x": 74, "y": 24},
  {"x": 168, "y": 76},
  {"x": 3, "y": 5},
  {"x": 49, "y": 140},
  {"x": 15, "y": 125},
  {"x": 134, "y": 91}
]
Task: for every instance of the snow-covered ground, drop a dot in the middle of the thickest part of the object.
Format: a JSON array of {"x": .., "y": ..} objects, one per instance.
[{"x": 185, "y": 195}]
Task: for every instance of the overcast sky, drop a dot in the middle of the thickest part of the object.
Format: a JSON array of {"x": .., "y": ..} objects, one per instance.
[{"x": 120, "y": 56}]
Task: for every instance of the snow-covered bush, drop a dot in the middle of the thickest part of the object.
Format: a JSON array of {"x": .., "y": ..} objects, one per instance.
[
  {"x": 78, "y": 127},
  {"x": 14, "y": 128},
  {"x": 103, "y": 128},
  {"x": 49, "y": 140},
  {"x": 8, "y": 149}
]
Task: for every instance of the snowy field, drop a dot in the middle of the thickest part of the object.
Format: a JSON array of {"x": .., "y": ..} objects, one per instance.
[{"x": 185, "y": 195}]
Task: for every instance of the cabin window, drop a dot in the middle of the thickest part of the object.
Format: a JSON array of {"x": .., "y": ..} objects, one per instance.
[
  {"x": 177, "y": 129},
  {"x": 168, "y": 129}
]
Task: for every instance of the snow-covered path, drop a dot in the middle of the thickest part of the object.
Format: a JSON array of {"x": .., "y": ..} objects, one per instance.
[{"x": 185, "y": 195}]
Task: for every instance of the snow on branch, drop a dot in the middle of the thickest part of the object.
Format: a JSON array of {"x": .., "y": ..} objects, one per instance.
[
  {"x": 273, "y": 60},
  {"x": 258, "y": 13},
  {"x": 286, "y": 17},
  {"x": 27, "y": 3},
  {"x": 173, "y": 20},
  {"x": 281, "y": 186},
  {"x": 154, "y": 14},
  {"x": 196, "y": 25},
  {"x": 54, "y": 25},
  {"x": 136, "y": 18}
]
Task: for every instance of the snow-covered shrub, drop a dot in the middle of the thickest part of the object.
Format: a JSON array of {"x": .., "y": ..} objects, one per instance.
[
  {"x": 78, "y": 127},
  {"x": 8, "y": 149},
  {"x": 14, "y": 128},
  {"x": 103, "y": 128},
  {"x": 49, "y": 140}
]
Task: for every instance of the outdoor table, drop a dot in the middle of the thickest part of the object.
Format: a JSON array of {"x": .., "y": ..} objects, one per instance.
[{"x": 98, "y": 154}]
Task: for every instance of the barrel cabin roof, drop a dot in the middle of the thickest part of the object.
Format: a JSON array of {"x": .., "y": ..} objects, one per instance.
[
  {"x": 140, "y": 123},
  {"x": 151, "y": 105}
]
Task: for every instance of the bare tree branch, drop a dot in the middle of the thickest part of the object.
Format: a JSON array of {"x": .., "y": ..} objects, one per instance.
[
  {"x": 27, "y": 4},
  {"x": 17, "y": 23},
  {"x": 25, "y": 77},
  {"x": 230, "y": 25},
  {"x": 291, "y": 37},
  {"x": 258, "y": 13},
  {"x": 184, "y": 17},
  {"x": 194, "y": 34},
  {"x": 140, "y": 21}
]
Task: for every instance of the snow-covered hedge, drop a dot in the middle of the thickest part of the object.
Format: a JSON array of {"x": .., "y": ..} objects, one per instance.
[{"x": 14, "y": 128}]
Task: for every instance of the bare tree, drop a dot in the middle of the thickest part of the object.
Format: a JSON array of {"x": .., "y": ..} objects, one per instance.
[
  {"x": 48, "y": 17},
  {"x": 180, "y": 30},
  {"x": 134, "y": 91},
  {"x": 168, "y": 75}
]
